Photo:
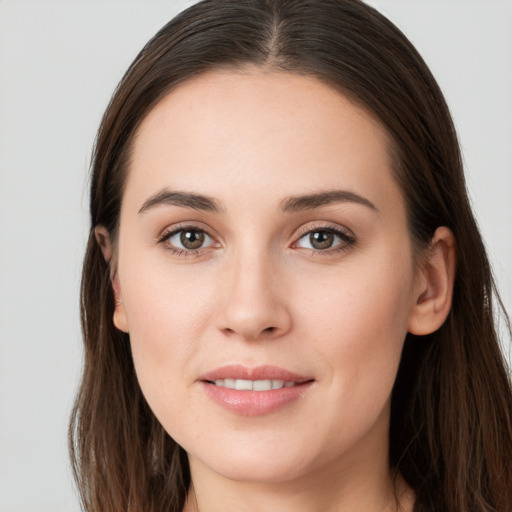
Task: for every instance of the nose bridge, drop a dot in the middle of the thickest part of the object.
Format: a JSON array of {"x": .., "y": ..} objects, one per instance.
[
  {"x": 254, "y": 305},
  {"x": 252, "y": 269}
]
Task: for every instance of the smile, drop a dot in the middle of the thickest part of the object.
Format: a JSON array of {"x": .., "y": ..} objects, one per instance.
[
  {"x": 255, "y": 391},
  {"x": 254, "y": 385}
]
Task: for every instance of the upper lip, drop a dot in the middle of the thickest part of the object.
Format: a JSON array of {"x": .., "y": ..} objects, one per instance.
[{"x": 235, "y": 371}]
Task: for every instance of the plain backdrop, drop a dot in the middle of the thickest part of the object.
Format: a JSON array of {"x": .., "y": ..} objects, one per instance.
[{"x": 59, "y": 63}]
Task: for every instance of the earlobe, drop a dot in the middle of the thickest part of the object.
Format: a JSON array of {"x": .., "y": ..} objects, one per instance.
[
  {"x": 103, "y": 239},
  {"x": 434, "y": 289}
]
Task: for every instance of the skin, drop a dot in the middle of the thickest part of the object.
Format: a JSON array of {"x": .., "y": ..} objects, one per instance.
[{"x": 257, "y": 292}]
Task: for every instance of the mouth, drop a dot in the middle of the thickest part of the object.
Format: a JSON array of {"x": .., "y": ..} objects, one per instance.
[
  {"x": 254, "y": 391},
  {"x": 259, "y": 378},
  {"x": 253, "y": 385}
]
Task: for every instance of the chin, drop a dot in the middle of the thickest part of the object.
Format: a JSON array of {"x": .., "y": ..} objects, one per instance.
[{"x": 257, "y": 463}]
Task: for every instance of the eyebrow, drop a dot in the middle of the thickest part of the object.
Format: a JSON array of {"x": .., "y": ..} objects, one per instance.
[
  {"x": 317, "y": 200},
  {"x": 168, "y": 197}
]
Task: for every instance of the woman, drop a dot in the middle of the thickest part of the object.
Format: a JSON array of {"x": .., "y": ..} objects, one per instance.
[{"x": 286, "y": 302}]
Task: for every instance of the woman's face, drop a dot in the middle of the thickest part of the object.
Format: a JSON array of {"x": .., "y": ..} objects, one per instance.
[{"x": 263, "y": 243}]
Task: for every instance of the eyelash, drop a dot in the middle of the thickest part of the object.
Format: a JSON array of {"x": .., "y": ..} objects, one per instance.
[
  {"x": 348, "y": 240},
  {"x": 170, "y": 232}
]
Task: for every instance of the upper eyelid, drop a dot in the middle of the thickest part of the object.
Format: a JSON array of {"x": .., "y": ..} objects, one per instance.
[
  {"x": 328, "y": 226},
  {"x": 182, "y": 226}
]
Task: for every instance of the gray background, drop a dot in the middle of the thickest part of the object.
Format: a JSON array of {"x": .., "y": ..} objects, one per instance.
[{"x": 59, "y": 63}]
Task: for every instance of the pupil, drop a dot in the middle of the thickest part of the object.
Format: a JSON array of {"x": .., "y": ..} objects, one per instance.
[
  {"x": 192, "y": 239},
  {"x": 321, "y": 239}
]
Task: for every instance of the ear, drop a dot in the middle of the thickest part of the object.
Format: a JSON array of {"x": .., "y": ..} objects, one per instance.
[
  {"x": 103, "y": 239},
  {"x": 434, "y": 287}
]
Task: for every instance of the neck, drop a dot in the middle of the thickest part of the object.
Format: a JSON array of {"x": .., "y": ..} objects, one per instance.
[
  {"x": 360, "y": 480},
  {"x": 328, "y": 495}
]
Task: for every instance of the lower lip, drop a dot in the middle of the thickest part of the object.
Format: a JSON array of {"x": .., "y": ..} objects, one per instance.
[{"x": 255, "y": 403}]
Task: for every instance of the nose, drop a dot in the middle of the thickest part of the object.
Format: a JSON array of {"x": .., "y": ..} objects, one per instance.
[{"x": 253, "y": 306}]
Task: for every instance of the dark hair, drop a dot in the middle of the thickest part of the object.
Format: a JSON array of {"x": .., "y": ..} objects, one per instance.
[{"x": 451, "y": 418}]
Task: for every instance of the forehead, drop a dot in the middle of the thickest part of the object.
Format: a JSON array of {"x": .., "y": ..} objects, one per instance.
[{"x": 259, "y": 129}]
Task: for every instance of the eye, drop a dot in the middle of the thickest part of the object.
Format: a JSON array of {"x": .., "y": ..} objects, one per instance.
[
  {"x": 325, "y": 239},
  {"x": 187, "y": 239}
]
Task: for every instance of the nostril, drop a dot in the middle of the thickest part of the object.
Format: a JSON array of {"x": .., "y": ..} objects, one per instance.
[{"x": 269, "y": 329}]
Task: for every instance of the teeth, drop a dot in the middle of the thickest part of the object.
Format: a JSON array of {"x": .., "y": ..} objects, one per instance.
[
  {"x": 253, "y": 385},
  {"x": 243, "y": 385},
  {"x": 262, "y": 385}
]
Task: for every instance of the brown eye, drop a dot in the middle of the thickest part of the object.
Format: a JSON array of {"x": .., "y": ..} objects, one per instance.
[
  {"x": 321, "y": 239},
  {"x": 188, "y": 239},
  {"x": 192, "y": 239}
]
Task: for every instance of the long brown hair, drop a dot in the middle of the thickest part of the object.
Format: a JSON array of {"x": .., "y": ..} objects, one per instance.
[{"x": 451, "y": 419}]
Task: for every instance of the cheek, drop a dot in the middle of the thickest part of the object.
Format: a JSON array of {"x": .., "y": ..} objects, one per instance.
[
  {"x": 167, "y": 314},
  {"x": 356, "y": 326},
  {"x": 358, "y": 320},
  {"x": 164, "y": 301}
]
